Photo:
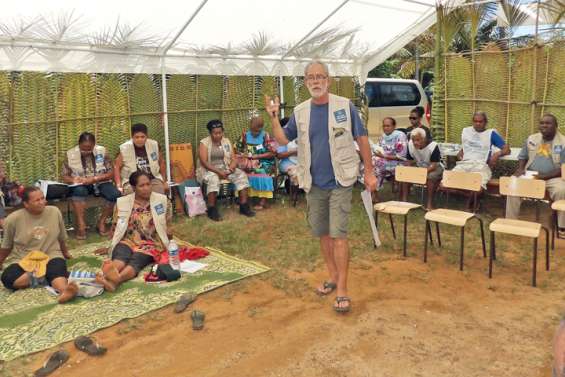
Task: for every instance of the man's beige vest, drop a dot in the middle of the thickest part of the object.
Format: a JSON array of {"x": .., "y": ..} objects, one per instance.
[
  {"x": 207, "y": 142},
  {"x": 127, "y": 151},
  {"x": 124, "y": 206},
  {"x": 535, "y": 140},
  {"x": 75, "y": 161},
  {"x": 345, "y": 159}
]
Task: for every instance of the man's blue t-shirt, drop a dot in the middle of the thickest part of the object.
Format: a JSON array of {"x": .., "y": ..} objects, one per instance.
[{"x": 321, "y": 167}]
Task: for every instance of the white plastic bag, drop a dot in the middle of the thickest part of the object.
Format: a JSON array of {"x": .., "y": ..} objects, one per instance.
[{"x": 194, "y": 201}]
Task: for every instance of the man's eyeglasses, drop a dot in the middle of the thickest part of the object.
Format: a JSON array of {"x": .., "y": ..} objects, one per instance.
[{"x": 316, "y": 77}]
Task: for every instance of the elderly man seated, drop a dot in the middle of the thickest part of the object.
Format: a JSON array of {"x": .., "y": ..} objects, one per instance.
[
  {"x": 36, "y": 236},
  {"x": 476, "y": 155},
  {"x": 425, "y": 154},
  {"x": 542, "y": 154}
]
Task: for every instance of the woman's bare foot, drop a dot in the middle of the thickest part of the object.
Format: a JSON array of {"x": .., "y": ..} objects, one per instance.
[
  {"x": 68, "y": 293},
  {"x": 110, "y": 272},
  {"x": 108, "y": 285}
]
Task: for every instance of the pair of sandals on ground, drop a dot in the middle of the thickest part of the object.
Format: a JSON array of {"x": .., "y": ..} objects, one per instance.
[
  {"x": 342, "y": 304},
  {"x": 58, "y": 358}
]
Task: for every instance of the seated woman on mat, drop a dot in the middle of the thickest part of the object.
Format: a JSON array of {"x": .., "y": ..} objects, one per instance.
[
  {"x": 424, "y": 154},
  {"x": 88, "y": 166},
  {"x": 36, "y": 236},
  {"x": 216, "y": 161},
  {"x": 257, "y": 153},
  {"x": 141, "y": 232},
  {"x": 390, "y": 151}
]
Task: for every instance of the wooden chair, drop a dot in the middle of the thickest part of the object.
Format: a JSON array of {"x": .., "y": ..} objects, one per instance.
[
  {"x": 407, "y": 174},
  {"x": 558, "y": 205},
  {"x": 456, "y": 181},
  {"x": 524, "y": 188}
]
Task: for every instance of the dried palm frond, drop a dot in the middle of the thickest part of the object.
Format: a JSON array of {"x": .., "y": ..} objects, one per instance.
[
  {"x": 124, "y": 36},
  {"x": 63, "y": 27},
  {"x": 20, "y": 28},
  {"x": 259, "y": 44}
]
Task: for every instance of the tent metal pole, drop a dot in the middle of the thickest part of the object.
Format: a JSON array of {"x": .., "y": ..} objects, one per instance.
[
  {"x": 314, "y": 29},
  {"x": 281, "y": 93},
  {"x": 164, "y": 90},
  {"x": 166, "y": 121},
  {"x": 177, "y": 36}
]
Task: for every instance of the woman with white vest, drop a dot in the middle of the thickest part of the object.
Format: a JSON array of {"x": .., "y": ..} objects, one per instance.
[
  {"x": 217, "y": 162},
  {"x": 140, "y": 154},
  {"x": 425, "y": 154},
  {"x": 88, "y": 168},
  {"x": 141, "y": 232}
]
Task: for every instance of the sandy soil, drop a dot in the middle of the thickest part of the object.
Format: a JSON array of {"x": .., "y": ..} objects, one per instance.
[{"x": 408, "y": 319}]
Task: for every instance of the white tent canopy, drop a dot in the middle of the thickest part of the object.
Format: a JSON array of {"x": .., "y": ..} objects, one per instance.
[{"x": 222, "y": 37}]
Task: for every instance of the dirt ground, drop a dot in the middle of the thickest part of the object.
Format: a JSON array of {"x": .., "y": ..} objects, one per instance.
[{"x": 408, "y": 319}]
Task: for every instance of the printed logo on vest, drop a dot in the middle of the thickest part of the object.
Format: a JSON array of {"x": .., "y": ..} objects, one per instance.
[
  {"x": 557, "y": 149},
  {"x": 99, "y": 158},
  {"x": 227, "y": 148},
  {"x": 340, "y": 116},
  {"x": 160, "y": 209},
  {"x": 154, "y": 156}
]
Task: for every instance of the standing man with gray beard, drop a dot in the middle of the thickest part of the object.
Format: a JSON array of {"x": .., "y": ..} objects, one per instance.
[{"x": 326, "y": 127}]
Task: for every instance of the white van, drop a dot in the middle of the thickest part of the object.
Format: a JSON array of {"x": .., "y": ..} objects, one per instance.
[{"x": 393, "y": 98}]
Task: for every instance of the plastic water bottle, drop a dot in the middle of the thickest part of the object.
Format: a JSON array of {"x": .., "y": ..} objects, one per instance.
[{"x": 174, "y": 260}]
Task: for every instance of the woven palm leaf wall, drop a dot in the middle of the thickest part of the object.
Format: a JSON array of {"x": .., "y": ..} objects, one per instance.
[
  {"x": 145, "y": 104},
  {"x": 458, "y": 89},
  {"x": 4, "y": 114},
  {"x": 33, "y": 151},
  {"x": 555, "y": 89},
  {"x": 513, "y": 87},
  {"x": 182, "y": 104},
  {"x": 76, "y": 107},
  {"x": 239, "y": 94},
  {"x": 112, "y": 123},
  {"x": 42, "y": 114}
]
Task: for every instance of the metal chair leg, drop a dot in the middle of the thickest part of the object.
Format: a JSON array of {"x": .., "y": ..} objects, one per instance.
[
  {"x": 546, "y": 249},
  {"x": 491, "y": 254},
  {"x": 405, "y": 229},
  {"x": 462, "y": 248},
  {"x": 438, "y": 236},
  {"x": 376, "y": 226},
  {"x": 426, "y": 242},
  {"x": 392, "y": 226},
  {"x": 553, "y": 228},
  {"x": 535, "y": 263},
  {"x": 482, "y": 237}
]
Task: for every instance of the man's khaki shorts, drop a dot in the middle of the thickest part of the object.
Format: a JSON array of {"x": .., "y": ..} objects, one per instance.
[{"x": 328, "y": 211}]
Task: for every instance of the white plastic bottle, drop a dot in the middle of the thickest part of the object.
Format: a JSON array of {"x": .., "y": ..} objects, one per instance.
[{"x": 174, "y": 260}]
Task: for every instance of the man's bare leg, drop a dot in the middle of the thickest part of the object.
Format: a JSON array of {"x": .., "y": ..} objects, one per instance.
[
  {"x": 327, "y": 249},
  {"x": 341, "y": 257}
]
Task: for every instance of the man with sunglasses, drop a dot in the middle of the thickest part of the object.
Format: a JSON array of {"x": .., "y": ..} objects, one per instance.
[{"x": 326, "y": 127}]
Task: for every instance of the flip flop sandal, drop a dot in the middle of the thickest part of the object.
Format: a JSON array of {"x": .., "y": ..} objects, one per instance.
[
  {"x": 86, "y": 344},
  {"x": 183, "y": 302},
  {"x": 197, "y": 319},
  {"x": 340, "y": 299},
  {"x": 55, "y": 360},
  {"x": 325, "y": 286}
]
